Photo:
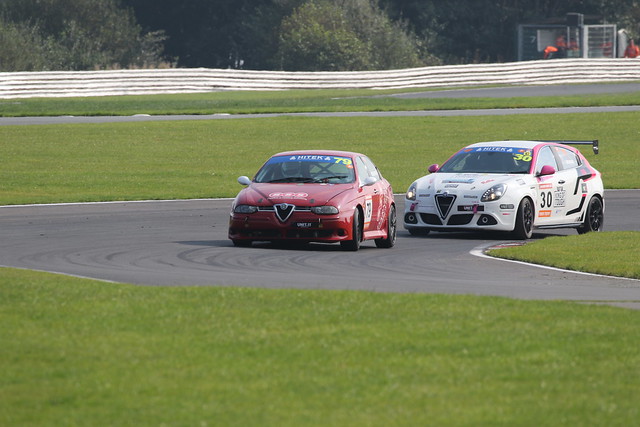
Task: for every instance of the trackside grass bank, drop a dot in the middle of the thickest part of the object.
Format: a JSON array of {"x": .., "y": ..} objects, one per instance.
[
  {"x": 81, "y": 352},
  {"x": 195, "y": 159},
  {"x": 291, "y": 101},
  {"x": 608, "y": 253}
]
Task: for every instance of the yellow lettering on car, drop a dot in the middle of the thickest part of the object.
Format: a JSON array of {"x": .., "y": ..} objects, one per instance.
[
  {"x": 343, "y": 160},
  {"x": 526, "y": 157}
]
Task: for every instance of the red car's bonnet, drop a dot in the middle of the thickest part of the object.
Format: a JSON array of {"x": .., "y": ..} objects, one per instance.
[{"x": 264, "y": 194}]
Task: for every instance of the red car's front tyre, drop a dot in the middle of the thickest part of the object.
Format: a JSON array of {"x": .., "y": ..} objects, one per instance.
[
  {"x": 392, "y": 221},
  {"x": 356, "y": 234}
]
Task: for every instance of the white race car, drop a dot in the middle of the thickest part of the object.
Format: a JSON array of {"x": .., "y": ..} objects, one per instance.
[{"x": 512, "y": 186}]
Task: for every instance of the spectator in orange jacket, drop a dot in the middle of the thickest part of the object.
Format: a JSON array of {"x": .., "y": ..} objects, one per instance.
[
  {"x": 549, "y": 52},
  {"x": 632, "y": 51}
]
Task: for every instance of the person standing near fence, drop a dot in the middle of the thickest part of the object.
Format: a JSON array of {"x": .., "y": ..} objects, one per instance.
[{"x": 632, "y": 51}]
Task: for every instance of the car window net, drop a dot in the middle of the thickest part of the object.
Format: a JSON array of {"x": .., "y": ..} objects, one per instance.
[
  {"x": 488, "y": 162},
  {"x": 326, "y": 170}
]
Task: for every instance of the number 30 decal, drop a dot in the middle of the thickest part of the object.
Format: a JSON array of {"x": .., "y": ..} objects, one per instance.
[
  {"x": 546, "y": 198},
  {"x": 526, "y": 157}
]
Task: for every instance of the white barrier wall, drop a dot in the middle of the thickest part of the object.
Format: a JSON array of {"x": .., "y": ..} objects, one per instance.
[{"x": 194, "y": 80}]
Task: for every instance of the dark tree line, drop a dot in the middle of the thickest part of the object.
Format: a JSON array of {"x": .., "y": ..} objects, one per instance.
[
  {"x": 277, "y": 34},
  {"x": 73, "y": 35},
  {"x": 220, "y": 33},
  {"x": 466, "y": 31}
]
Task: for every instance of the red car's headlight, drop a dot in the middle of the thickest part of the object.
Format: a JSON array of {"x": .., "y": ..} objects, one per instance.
[
  {"x": 245, "y": 209},
  {"x": 325, "y": 210}
]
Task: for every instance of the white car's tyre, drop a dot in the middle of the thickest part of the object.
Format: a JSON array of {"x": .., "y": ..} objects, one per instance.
[
  {"x": 524, "y": 220},
  {"x": 594, "y": 217}
]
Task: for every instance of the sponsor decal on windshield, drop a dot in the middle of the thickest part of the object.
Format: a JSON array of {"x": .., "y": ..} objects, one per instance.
[
  {"x": 521, "y": 154},
  {"x": 311, "y": 158}
]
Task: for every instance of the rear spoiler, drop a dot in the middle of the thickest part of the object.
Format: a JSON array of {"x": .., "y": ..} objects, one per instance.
[{"x": 594, "y": 143}]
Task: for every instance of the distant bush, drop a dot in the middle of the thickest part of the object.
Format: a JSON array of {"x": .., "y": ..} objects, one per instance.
[
  {"x": 350, "y": 35},
  {"x": 39, "y": 35}
]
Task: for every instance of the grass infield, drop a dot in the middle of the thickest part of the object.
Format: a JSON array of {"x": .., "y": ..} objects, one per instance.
[
  {"x": 291, "y": 101},
  {"x": 194, "y": 159},
  {"x": 80, "y": 352}
]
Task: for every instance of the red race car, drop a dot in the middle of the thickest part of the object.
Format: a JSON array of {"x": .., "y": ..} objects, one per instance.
[{"x": 315, "y": 196}]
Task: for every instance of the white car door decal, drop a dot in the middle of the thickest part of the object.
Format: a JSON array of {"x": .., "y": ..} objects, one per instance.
[{"x": 368, "y": 211}]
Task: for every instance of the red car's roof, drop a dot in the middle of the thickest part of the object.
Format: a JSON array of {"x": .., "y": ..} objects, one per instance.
[{"x": 319, "y": 152}]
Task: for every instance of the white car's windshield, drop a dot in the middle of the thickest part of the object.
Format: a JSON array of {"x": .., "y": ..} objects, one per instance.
[
  {"x": 307, "y": 169},
  {"x": 489, "y": 160}
]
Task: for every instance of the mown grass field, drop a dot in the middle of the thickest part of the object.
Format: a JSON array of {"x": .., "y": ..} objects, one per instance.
[
  {"x": 608, "y": 253},
  {"x": 82, "y": 352},
  {"x": 193, "y": 159},
  {"x": 246, "y": 102}
]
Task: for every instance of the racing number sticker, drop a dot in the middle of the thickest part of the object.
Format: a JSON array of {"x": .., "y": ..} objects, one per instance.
[
  {"x": 546, "y": 199},
  {"x": 343, "y": 160},
  {"x": 525, "y": 157},
  {"x": 552, "y": 199},
  {"x": 368, "y": 211}
]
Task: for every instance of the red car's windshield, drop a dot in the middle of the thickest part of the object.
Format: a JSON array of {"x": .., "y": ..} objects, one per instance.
[{"x": 307, "y": 169}]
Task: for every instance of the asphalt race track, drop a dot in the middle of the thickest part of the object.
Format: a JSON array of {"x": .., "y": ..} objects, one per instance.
[
  {"x": 179, "y": 243},
  {"x": 184, "y": 243}
]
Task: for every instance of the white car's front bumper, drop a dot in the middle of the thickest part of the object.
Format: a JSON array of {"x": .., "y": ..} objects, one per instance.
[{"x": 459, "y": 214}]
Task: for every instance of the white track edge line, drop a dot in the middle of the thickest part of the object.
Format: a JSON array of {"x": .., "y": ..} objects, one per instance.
[{"x": 479, "y": 251}]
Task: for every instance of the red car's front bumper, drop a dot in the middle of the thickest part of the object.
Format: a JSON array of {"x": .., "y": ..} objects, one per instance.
[{"x": 299, "y": 226}]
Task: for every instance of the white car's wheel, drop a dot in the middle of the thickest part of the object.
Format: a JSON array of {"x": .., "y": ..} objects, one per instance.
[
  {"x": 524, "y": 220},
  {"x": 594, "y": 217}
]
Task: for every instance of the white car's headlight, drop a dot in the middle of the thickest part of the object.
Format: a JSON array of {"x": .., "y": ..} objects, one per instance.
[
  {"x": 494, "y": 193},
  {"x": 325, "y": 210},
  {"x": 411, "y": 192},
  {"x": 245, "y": 209}
]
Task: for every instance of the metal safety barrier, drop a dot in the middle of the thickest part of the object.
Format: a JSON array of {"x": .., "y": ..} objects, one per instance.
[{"x": 198, "y": 80}]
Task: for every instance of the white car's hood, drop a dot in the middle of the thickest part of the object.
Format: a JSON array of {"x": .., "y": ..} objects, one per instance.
[{"x": 470, "y": 184}]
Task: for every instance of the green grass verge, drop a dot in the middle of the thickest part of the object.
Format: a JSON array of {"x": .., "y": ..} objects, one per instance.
[
  {"x": 244, "y": 102},
  {"x": 193, "y": 159},
  {"x": 583, "y": 253},
  {"x": 80, "y": 352}
]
